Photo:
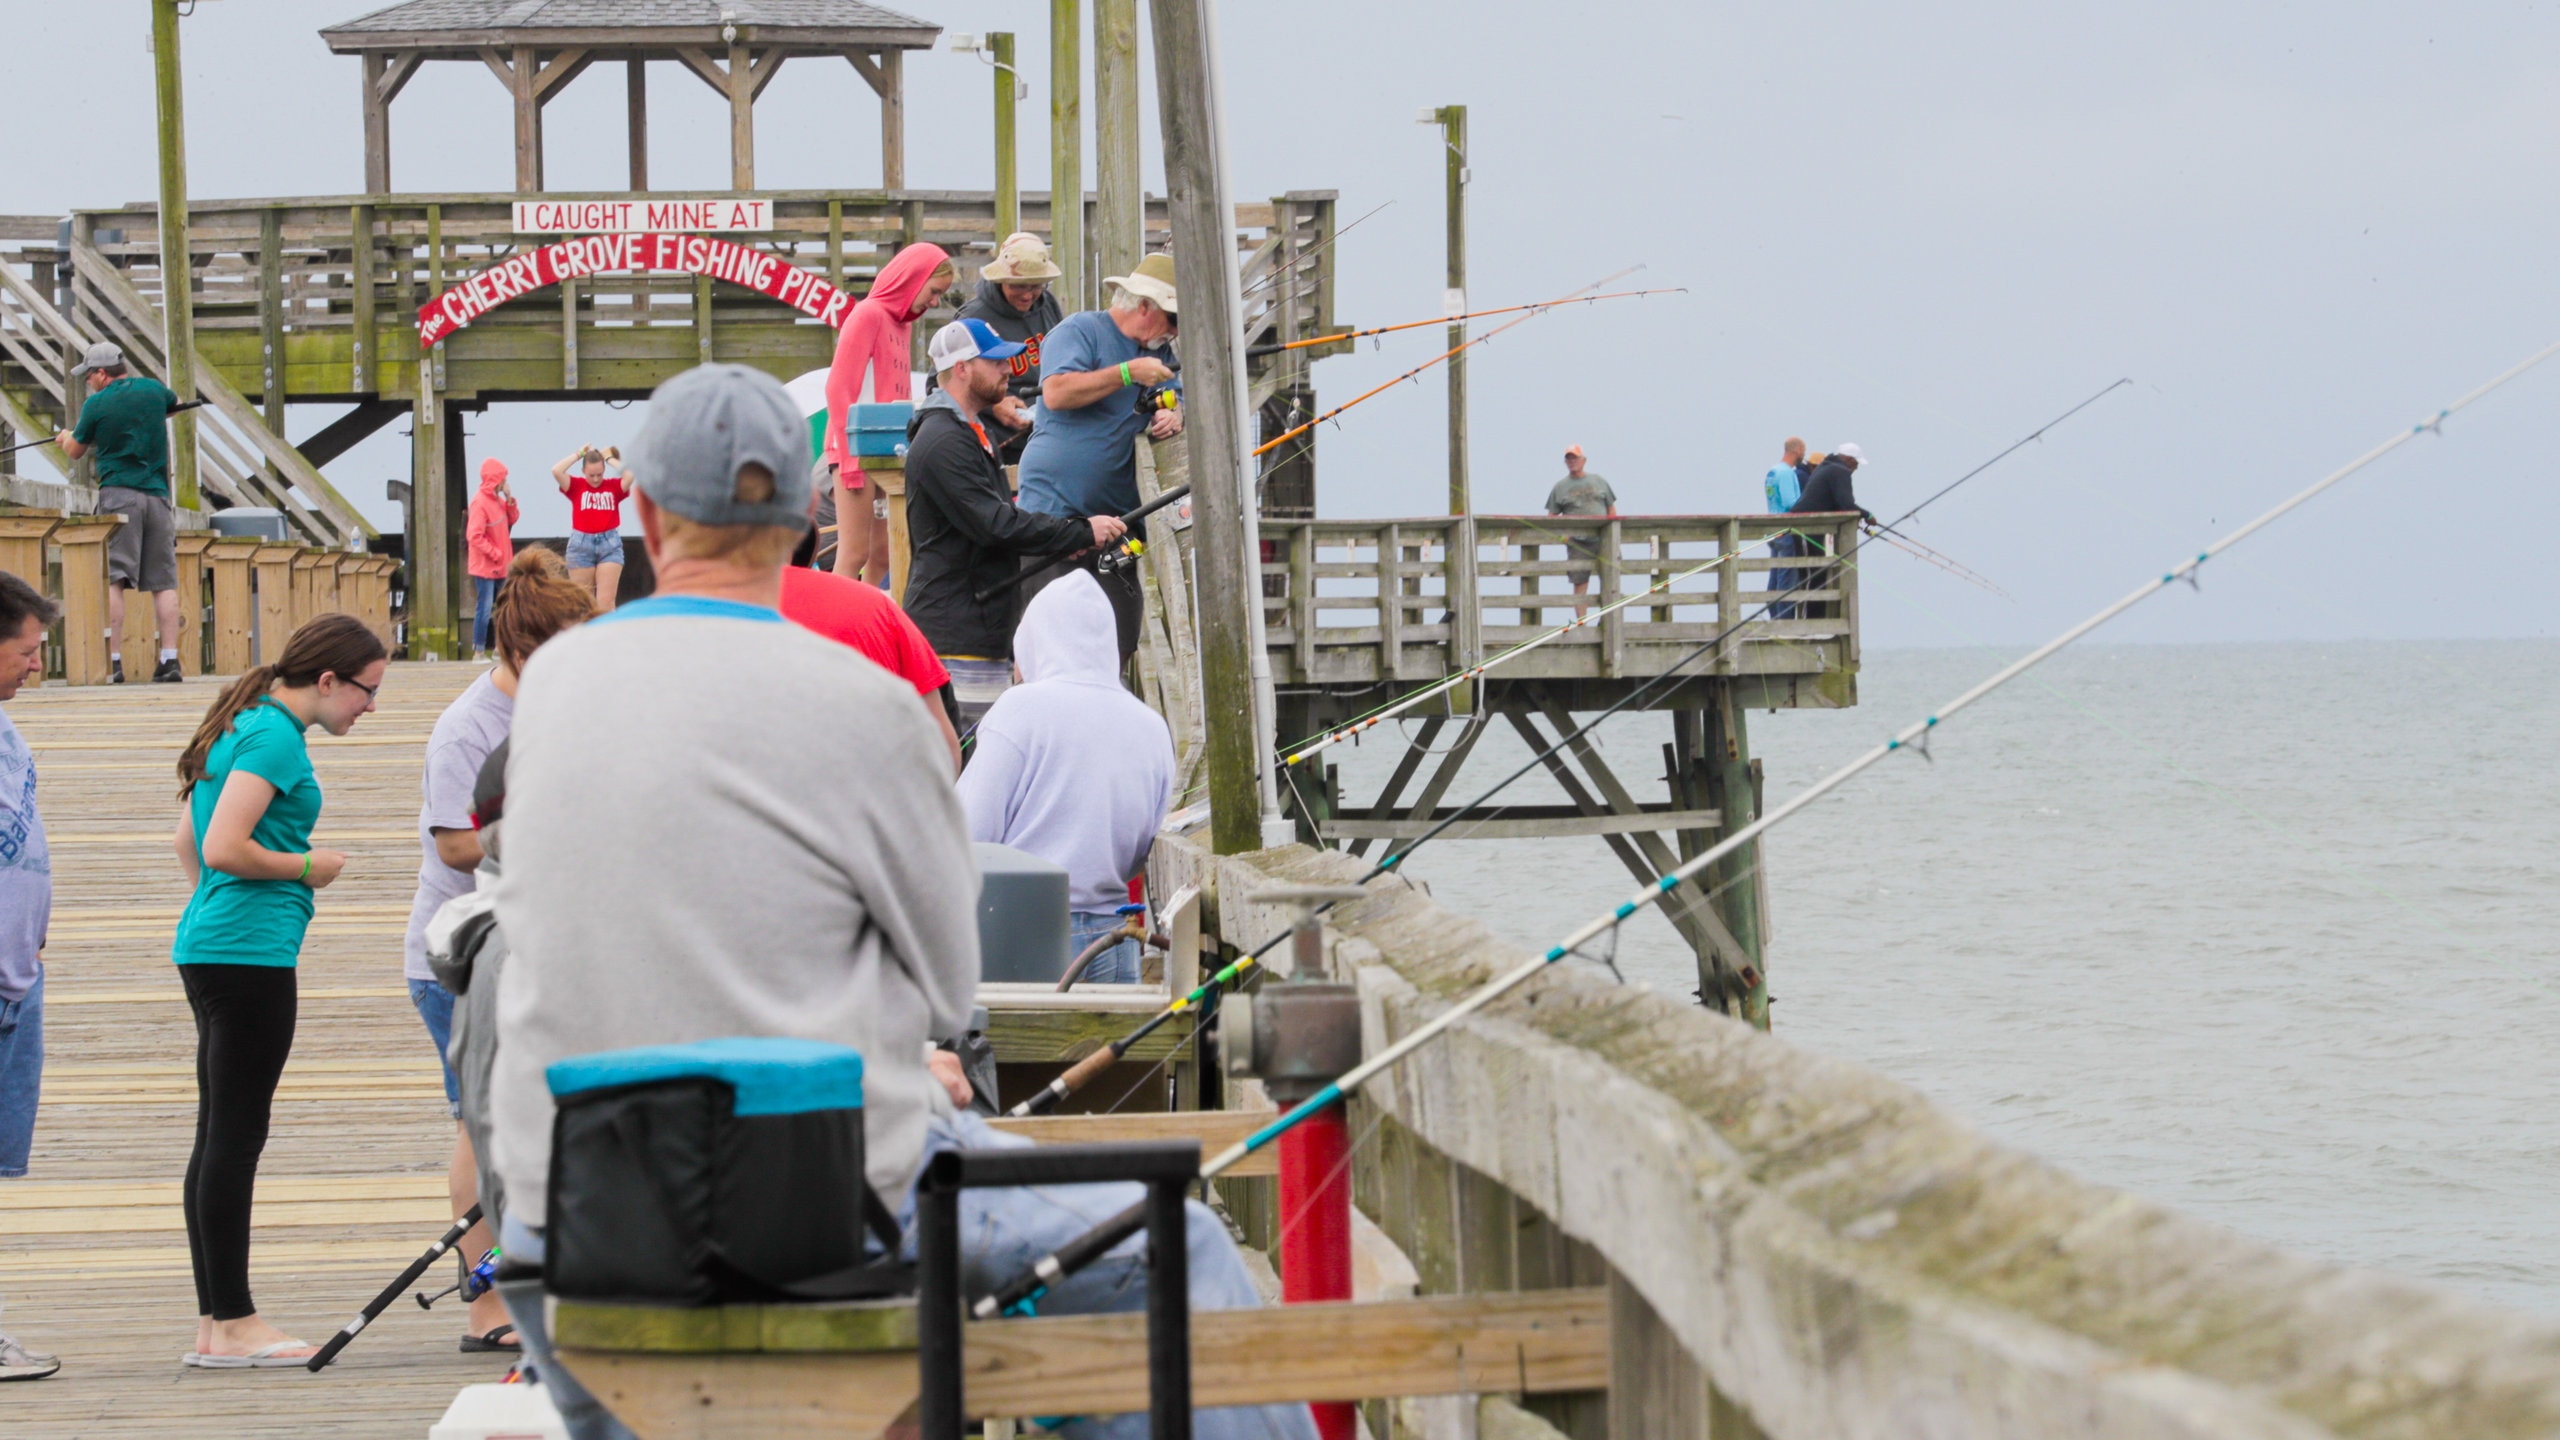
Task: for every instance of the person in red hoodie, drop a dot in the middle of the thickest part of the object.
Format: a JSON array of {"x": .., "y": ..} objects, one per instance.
[
  {"x": 875, "y": 341},
  {"x": 485, "y": 543}
]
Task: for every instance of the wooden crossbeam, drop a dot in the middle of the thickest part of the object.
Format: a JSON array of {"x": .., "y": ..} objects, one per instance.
[
  {"x": 700, "y": 63},
  {"x": 1214, "y": 1129},
  {"x": 1538, "y": 1341}
]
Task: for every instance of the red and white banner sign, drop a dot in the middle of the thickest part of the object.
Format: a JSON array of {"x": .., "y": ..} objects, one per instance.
[
  {"x": 468, "y": 300},
  {"x": 615, "y": 217}
]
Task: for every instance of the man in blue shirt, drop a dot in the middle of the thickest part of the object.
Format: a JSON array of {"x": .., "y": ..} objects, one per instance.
[
  {"x": 26, "y": 904},
  {"x": 1098, "y": 369},
  {"x": 1784, "y": 485}
]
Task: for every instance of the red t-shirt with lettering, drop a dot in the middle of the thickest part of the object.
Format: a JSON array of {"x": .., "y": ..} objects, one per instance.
[
  {"x": 595, "y": 506},
  {"x": 849, "y": 612}
]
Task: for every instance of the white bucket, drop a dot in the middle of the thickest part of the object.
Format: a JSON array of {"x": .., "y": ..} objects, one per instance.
[{"x": 500, "y": 1412}]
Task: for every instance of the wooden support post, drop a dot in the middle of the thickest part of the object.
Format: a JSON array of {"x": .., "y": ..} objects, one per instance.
[
  {"x": 1008, "y": 172},
  {"x": 360, "y": 278},
  {"x": 177, "y": 254},
  {"x": 1066, "y": 152},
  {"x": 234, "y": 610},
  {"x": 306, "y": 601},
  {"x": 1119, "y": 219},
  {"x": 1453, "y": 131},
  {"x": 522, "y": 70},
  {"x": 893, "y": 120},
  {"x": 431, "y": 372},
  {"x": 568, "y": 334},
  {"x": 636, "y": 86},
  {"x": 191, "y": 607},
  {"x": 22, "y": 539},
  {"x": 742, "y": 118},
  {"x": 702, "y": 319},
  {"x": 1729, "y": 597},
  {"x": 377, "y": 124},
  {"x": 83, "y": 542},
  {"x": 1613, "y": 633},
  {"x": 430, "y": 548},
  {"x": 275, "y": 620},
  {"x": 271, "y": 321},
  {"x": 1727, "y": 763},
  {"x": 835, "y": 243}
]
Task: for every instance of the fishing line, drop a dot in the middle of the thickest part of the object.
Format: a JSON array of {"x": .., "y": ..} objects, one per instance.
[
  {"x": 1081, "y": 1251},
  {"x": 1285, "y": 436},
  {"x": 1311, "y": 251},
  {"x": 1076, "y": 1076},
  {"x": 1279, "y": 347}
]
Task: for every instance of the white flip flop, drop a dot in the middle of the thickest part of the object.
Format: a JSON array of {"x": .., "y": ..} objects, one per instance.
[{"x": 265, "y": 1357}]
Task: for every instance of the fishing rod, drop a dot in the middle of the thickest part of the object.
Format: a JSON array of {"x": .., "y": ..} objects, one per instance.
[
  {"x": 49, "y": 439},
  {"x": 1941, "y": 559},
  {"x": 1067, "y": 1259},
  {"x": 1134, "y": 543},
  {"x": 1200, "y": 996},
  {"x": 1455, "y": 319},
  {"x": 382, "y": 1302},
  {"x": 1293, "y": 433}
]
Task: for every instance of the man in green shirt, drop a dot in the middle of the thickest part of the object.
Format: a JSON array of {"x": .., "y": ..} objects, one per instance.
[
  {"x": 1583, "y": 494},
  {"x": 125, "y": 424}
]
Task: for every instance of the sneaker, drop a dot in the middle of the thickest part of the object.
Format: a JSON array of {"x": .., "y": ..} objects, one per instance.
[
  {"x": 17, "y": 1362},
  {"x": 115, "y": 672},
  {"x": 168, "y": 673}
]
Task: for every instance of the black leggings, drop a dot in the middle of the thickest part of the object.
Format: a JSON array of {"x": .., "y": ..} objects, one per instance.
[{"x": 244, "y": 1030}]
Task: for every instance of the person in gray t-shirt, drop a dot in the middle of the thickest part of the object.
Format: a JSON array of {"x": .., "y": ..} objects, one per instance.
[
  {"x": 1582, "y": 494},
  {"x": 26, "y": 906}
]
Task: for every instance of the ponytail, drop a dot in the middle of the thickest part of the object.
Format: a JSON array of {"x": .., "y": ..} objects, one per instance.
[
  {"x": 244, "y": 692},
  {"x": 339, "y": 645},
  {"x": 539, "y": 601}
]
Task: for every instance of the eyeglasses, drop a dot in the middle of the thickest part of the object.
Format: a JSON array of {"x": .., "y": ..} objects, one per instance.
[{"x": 371, "y": 692}]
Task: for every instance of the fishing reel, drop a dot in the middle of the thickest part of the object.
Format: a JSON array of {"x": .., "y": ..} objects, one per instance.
[
  {"x": 476, "y": 1281},
  {"x": 1156, "y": 397}
]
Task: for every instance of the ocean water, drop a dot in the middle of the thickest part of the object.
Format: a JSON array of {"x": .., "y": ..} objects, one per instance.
[{"x": 2270, "y": 933}]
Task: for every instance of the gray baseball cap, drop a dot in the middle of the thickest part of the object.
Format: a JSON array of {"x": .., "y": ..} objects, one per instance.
[
  {"x": 705, "y": 426},
  {"x": 101, "y": 356}
]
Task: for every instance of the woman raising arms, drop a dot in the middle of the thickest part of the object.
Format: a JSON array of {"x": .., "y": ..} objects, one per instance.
[
  {"x": 596, "y": 493},
  {"x": 244, "y": 841}
]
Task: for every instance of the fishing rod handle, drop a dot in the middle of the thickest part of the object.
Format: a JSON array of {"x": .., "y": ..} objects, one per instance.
[
  {"x": 1064, "y": 1261},
  {"x": 382, "y": 1302}
]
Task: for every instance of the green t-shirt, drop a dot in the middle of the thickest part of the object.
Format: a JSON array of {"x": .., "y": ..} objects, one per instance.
[
  {"x": 127, "y": 424},
  {"x": 1583, "y": 495},
  {"x": 231, "y": 921}
]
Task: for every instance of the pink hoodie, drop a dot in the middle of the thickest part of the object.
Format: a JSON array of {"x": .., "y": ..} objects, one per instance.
[
  {"x": 876, "y": 337},
  {"x": 485, "y": 528}
]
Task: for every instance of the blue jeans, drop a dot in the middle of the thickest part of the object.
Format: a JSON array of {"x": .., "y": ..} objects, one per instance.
[
  {"x": 435, "y": 1006},
  {"x": 1001, "y": 1233},
  {"x": 1115, "y": 966},
  {"x": 484, "y": 598},
  {"x": 21, "y": 1076},
  {"x": 1783, "y": 580}
]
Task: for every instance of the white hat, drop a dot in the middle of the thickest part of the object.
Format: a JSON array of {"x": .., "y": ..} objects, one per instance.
[
  {"x": 1020, "y": 260},
  {"x": 970, "y": 340},
  {"x": 1850, "y": 452},
  {"x": 1150, "y": 279}
]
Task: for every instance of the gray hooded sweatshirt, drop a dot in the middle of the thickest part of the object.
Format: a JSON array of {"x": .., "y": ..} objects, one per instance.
[{"x": 1069, "y": 765}]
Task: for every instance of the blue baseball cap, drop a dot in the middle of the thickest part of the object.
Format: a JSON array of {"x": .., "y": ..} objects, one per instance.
[{"x": 970, "y": 340}]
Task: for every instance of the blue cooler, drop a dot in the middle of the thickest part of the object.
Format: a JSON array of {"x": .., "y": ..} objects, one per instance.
[
  {"x": 879, "y": 430},
  {"x": 717, "y": 1172}
]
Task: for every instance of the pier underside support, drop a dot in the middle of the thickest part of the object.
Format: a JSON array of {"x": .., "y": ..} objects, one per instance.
[{"x": 1711, "y": 781}]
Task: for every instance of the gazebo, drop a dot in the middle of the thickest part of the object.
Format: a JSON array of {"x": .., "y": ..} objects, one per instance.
[{"x": 536, "y": 47}]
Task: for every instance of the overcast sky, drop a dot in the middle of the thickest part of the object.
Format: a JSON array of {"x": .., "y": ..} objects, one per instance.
[{"x": 1926, "y": 229}]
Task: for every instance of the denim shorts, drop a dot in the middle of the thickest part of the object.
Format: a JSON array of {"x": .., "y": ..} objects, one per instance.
[
  {"x": 435, "y": 1006},
  {"x": 587, "y": 551}
]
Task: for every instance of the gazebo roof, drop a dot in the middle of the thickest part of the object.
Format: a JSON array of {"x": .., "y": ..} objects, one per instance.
[{"x": 418, "y": 25}]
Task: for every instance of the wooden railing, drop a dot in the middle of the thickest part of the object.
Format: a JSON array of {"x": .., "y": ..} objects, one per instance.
[{"x": 1351, "y": 602}]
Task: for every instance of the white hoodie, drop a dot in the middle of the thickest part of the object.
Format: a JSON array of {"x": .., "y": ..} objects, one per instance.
[{"x": 1069, "y": 765}]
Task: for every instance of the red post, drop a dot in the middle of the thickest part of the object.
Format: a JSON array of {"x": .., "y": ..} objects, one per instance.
[{"x": 1315, "y": 1235}]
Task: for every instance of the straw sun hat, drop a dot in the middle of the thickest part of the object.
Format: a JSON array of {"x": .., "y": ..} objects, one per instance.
[
  {"x": 1152, "y": 279},
  {"x": 1019, "y": 260}
]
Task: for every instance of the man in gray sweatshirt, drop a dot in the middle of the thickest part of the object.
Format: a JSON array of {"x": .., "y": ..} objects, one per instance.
[{"x": 677, "y": 869}]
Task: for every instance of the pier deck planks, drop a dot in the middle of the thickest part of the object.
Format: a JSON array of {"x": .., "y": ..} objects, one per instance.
[{"x": 93, "y": 1263}]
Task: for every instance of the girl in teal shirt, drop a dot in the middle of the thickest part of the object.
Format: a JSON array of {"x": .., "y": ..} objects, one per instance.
[{"x": 245, "y": 843}]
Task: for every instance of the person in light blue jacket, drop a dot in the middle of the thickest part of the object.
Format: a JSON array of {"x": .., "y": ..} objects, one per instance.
[{"x": 1785, "y": 485}]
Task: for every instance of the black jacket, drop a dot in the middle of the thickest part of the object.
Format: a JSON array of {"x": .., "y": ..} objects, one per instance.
[
  {"x": 989, "y": 304},
  {"x": 1828, "y": 491},
  {"x": 965, "y": 534}
]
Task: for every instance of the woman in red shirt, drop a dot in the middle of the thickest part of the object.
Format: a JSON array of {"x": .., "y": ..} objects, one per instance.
[{"x": 595, "y": 494}]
